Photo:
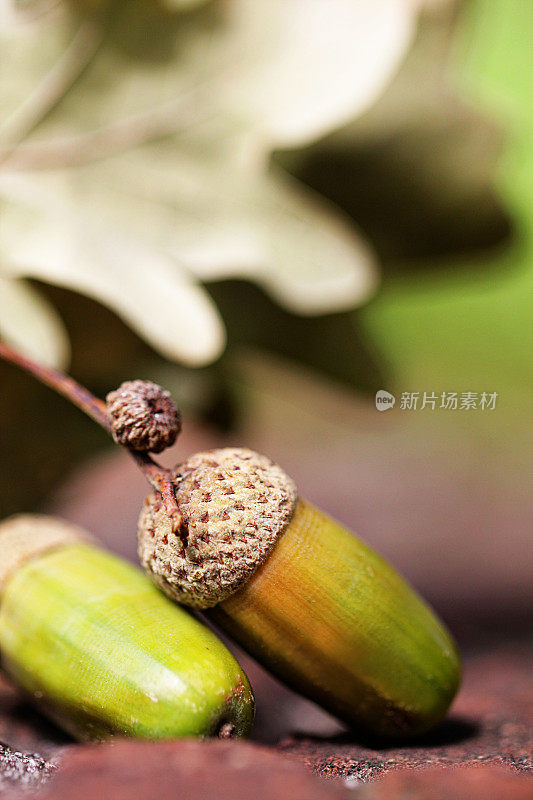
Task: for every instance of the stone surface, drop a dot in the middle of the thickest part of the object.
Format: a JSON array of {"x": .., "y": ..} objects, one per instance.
[
  {"x": 448, "y": 783},
  {"x": 24, "y": 769},
  {"x": 188, "y": 770},
  {"x": 194, "y": 770}
]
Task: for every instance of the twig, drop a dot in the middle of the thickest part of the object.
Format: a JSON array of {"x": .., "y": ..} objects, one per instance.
[{"x": 160, "y": 478}]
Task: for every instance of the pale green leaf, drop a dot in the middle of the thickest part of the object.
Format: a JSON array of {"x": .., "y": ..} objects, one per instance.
[
  {"x": 40, "y": 57},
  {"x": 290, "y": 241},
  {"x": 287, "y": 70},
  {"x": 156, "y": 132}
]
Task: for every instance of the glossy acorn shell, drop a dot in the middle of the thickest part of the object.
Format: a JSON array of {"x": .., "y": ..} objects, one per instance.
[
  {"x": 332, "y": 619},
  {"x": 105, "y": 653}
]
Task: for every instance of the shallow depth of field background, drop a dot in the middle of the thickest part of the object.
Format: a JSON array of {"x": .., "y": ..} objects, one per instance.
[{"x": 421, "y": 202}]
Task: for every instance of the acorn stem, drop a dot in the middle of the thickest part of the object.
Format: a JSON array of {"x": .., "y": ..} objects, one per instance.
[
  {"x": 63, "y": 384},
  {"x": 160, "y": 478}
]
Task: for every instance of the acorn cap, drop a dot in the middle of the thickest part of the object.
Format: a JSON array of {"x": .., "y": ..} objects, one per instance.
[
  {"x": 25, "y": 536},
  {"x": 143, "y": 416},
  {"x": 234, "y": 505}
]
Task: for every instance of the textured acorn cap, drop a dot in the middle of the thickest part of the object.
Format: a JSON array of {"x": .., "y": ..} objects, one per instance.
[
  {"x": 25, "y": 536},
  {"x": 234, "y": 505},
  {"x": 143, "y": 416}
]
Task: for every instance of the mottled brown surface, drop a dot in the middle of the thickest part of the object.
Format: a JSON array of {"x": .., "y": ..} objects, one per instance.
[
  {"x": 192, "y": 770},
  {"x": 449, "y": 783},
  {"x": 143, "y": 416},
  {"x": 185, "y": 770}
]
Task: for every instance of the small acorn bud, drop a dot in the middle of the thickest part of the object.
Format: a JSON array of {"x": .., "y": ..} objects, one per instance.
[
  {"x": 307, "y": 598},
  {"x": 143, "y": 416},
  {"x": 101, "y": 650}
]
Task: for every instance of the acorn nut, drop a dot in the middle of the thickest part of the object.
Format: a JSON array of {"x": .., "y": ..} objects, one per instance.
[
  {"x": 308, "y": 599},
  {"x": 101, "y": 650}
]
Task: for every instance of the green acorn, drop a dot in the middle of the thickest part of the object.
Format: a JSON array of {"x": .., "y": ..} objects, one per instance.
[
  {"x": 308, "y": 599},
  {"x": 101, "y": 650}
]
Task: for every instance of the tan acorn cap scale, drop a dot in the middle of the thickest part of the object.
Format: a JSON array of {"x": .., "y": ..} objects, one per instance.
[
  {"x": 226, "y": 532},
  {"x": 28, "y": 536},
  {"x": 234, "y": 505}
]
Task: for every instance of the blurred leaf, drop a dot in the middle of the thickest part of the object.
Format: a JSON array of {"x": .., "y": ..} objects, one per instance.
[
  {"x": 35, "y": 76},
  {"x": 148, "y": 133},
  {"x": 295, "y": 245},
  {"x": 287, "y": 71},
  {"x": 29, "y": 323},
  {"x": 88, "y": 254},
  {"x": 323, "y": 62},
  {"x": 215, "y": 221}
]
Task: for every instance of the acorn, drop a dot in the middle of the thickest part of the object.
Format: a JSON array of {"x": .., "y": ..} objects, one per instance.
[
  {"x": 302, "y": 594},
  {"x": 101, "y": 650},
  {"x": 227, "y": 533}
]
